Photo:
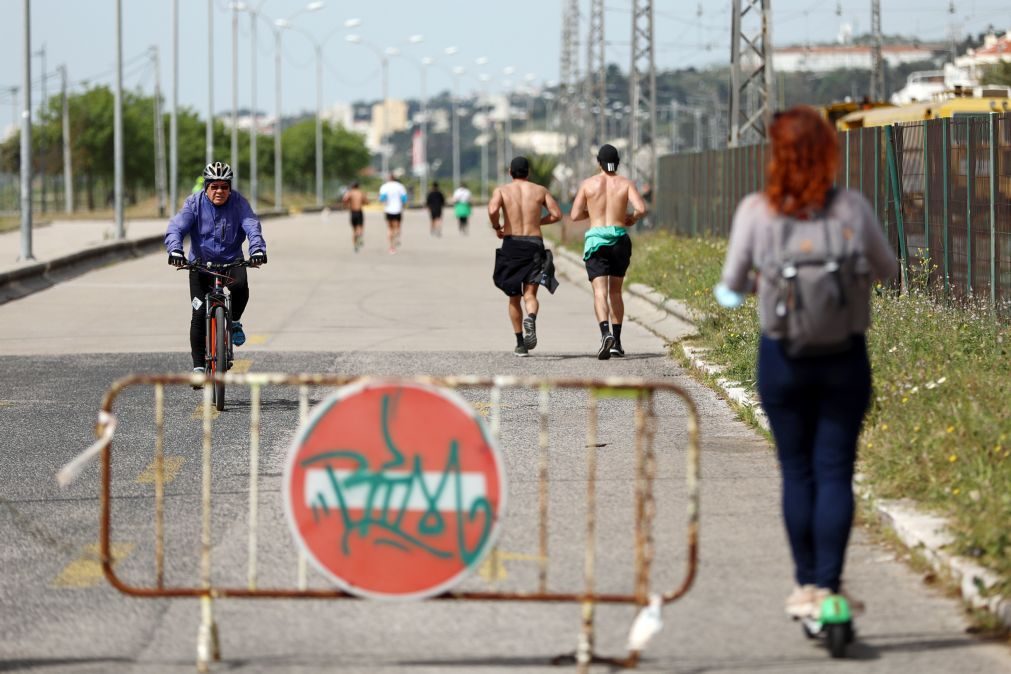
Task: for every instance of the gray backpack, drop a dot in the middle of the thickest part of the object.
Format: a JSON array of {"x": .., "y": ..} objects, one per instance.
[{"x": 821, "y": 274}]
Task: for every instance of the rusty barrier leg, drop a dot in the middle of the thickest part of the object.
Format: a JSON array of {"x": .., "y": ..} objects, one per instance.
[
  {"x": 208, "y": 648},
  {"x": 640, "y": 392}
]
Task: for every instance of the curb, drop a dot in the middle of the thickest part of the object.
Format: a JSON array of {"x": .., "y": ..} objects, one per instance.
[
  {"x": 921, "y": 532},
  {"x": 32, "y": 278}
]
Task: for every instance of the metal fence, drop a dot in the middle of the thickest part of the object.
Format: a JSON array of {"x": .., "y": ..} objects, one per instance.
[{"x": 941, "y": 189}]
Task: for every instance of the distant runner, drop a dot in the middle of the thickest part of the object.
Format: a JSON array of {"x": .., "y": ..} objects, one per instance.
[
  {"x": 607, "y": 251},
  {"x": 435, "y": 201},
  {"x": 461, "y": 206},
  {"x": 393, "y": 195},
  {"x": 522, "y": 263},
  {"x": 354, "y": 199}
]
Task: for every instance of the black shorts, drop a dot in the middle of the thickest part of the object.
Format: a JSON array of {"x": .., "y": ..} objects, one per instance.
[
  {"x": 393, "y": 217},
  {"x": 610, "y": 260},
  {"x": 357, "y": 218},
  {"x": 436, "y": 213}
]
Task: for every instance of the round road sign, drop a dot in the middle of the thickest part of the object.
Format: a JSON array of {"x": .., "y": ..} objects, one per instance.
[{"x": 394, "y": 489}]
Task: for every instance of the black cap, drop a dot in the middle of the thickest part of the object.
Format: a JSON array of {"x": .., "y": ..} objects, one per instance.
[
  {"x": 607, "y": 157},
  {"x": 519, "y": 167}
]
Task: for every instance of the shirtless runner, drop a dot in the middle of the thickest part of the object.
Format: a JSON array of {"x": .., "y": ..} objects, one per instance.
[
  {"x": 354, "y": 199},
  {"x": 522, "y": 263},
  {"x": 607, "y": 251}
]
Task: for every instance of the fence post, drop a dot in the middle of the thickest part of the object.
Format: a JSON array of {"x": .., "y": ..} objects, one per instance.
[
  {"x": 847, "y": 133},
  {"x": 945, "y": 188},
  {"x": 970, "y": 178},
  {"x": 877, "y": 176},
  {"x": 926, "y": 194},
  {"x": 993, "y": 209},
  {"x": 896, "y": 199}
]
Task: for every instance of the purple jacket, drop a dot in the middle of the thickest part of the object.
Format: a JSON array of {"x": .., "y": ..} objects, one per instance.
[{"x": 216, "y": 232}]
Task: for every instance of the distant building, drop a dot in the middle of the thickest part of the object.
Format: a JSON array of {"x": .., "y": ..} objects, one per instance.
[
  {"x": 539, "y": 142},
  {"x": 995, "y": 50},
  {"x": 394, "y": 120},
  {"x": 340, "y": 113},
  {"x": 823, "y": 58}
]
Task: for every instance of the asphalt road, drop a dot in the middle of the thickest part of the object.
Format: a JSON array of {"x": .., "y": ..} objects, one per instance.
[{"x": 431, "y": 309}]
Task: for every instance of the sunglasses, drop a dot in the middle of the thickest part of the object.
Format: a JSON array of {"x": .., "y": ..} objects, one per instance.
[{"x": 219, "y": 187}]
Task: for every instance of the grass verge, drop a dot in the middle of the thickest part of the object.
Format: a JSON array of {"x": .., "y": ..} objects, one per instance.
[{"x": 937, "y": 432}]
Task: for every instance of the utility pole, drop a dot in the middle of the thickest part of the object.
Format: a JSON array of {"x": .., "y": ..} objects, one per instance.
[
  {"x": 26, "y": 140},
  {"x": 569, "y": 72},
  {"x": 209, "y": 128},
  {"x": 751, "y": 74},
  {"x": 117, "y": 127},
  {"x": 41, "y": 53},
  {"x": 596, "y": 76},
  {"x": 68, "y": 168},
  {"x": 254, "y": 129},
  {"x": 159, "y": 136},
  {"x": 173, "y": 118},
  {"x": 277, "y": 121},
  {"x": 235, "y": 94},
  {"x": 877, "y": 65},
  {"x": 642, "y": 94}
]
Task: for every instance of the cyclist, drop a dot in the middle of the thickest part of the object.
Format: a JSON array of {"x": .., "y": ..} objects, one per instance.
[{"x": 217, "y": 220}]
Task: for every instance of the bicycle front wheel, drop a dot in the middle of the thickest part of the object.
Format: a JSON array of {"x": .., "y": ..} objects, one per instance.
[{"x": 219, "y": 354}]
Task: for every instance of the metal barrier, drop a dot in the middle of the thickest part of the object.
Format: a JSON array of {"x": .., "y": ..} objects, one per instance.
[{"x": 641, "y": 394}]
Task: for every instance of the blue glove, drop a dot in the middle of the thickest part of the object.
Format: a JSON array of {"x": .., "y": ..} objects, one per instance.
[{"x": 726, "y": 297}]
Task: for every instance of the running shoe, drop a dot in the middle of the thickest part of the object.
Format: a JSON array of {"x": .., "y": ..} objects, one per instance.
[
  {"x": 199, "y": 371},
  {"x": 521, "y": 351},
  {"x": 529, "y": 333},
  {"x": 238, "y": 336},
  {"x": 617, "y": 351},
  {"x": 392, "y": 251},
  {"x": 606, "y": 342}
]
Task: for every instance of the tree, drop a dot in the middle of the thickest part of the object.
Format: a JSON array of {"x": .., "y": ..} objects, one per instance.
[
  {"x": 542, "y": 169},
  {"x": 999, "y": 74}
]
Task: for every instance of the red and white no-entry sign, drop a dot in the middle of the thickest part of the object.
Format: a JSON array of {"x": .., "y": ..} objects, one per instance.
[{"x": 394, "y": 489}]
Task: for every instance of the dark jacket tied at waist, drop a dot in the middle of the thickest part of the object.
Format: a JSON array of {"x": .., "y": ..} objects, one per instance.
[{"x": 523, "y": 259}]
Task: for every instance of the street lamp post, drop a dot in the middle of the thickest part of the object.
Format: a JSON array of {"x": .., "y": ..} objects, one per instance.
[
  {"x": 26, "y": 140},
  {"x": 173, "y": 118},
  {"x": 209, "y": 128},
  {"x": 457, "y": 71},
  {"x": 385, "y": 67},
  {"x": 235, "y": 94}
]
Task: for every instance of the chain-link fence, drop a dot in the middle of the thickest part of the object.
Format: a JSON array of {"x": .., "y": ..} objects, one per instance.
[{"x": 941, "y": 189}]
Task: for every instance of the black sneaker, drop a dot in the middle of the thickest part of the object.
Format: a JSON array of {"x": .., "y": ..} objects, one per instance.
[
  {"x": 606, "y": 342},
  {"x": 617, "y": 351},
  {"x": 521, "y": 351},
  {"x": 529, "y": 333}
]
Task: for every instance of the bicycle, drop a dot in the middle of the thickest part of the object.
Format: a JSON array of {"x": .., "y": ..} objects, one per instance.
[{"x": 218, "y": 335}]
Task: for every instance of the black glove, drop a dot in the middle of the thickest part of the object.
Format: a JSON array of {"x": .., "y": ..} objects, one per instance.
[
  {"x": 258, "y": 258},
  {"x": 177, "y": 259}
]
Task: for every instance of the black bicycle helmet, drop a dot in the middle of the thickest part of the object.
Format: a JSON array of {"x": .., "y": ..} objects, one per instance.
[{"x": 218, "y": 170}]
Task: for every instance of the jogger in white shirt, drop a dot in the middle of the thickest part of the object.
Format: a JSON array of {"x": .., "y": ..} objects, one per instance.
[{"x": 393, "y": 196}]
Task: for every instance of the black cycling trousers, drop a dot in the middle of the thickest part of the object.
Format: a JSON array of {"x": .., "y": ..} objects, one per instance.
[{"x": 200, "y": 285}]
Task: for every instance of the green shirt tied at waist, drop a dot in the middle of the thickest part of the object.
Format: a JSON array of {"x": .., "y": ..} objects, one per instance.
[{"x": 598, "y": 237}]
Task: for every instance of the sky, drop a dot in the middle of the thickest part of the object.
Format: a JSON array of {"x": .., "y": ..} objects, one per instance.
[{"x": 518, "y": 39}]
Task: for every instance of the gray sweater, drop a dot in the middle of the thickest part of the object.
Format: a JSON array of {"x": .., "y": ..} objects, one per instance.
[{"x": 751, "y": 243}]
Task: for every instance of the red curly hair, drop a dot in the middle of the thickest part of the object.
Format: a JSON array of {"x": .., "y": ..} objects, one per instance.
[{"x": 802, "y": 163}]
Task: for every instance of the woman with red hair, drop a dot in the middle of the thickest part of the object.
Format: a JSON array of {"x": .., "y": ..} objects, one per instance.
[{"x": 815, "y": 398}]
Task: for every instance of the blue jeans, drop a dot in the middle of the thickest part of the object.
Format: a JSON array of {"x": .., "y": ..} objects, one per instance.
[{"x": 815, "y": 408}]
